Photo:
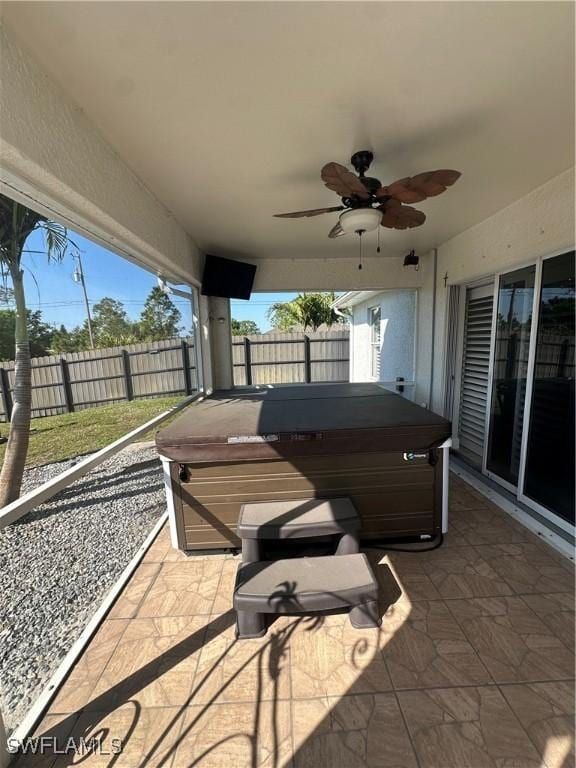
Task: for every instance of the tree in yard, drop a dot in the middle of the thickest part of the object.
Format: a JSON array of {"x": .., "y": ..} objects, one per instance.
[
  {"x": 16, "y": 223},
  {"x": 244, "y": 327},
  {"x": 307, "y": 310},
  {"x": 159, "y": 319},
  {"x": 111, "y": 324},
  {"x": 39, "y": 334},
  {"x": 64, "y": 340}
]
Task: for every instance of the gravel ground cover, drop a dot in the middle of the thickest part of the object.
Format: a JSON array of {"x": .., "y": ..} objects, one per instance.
[{"x": 58, "y": 562}]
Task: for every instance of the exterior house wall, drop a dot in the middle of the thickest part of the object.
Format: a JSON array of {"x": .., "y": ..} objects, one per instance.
[
  {"x": 539, "y": 224},
  {"x": 397, "y": 341}
]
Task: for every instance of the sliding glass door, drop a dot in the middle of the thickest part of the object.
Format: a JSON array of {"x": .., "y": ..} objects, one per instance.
[
  {"x": 549, "y": 468},
  {"x": 509, "y": 373},
  {"x": 530, "y": 422}
]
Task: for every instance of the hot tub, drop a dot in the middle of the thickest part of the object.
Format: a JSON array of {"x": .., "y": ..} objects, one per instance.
[{"x": 298, "y": 442}]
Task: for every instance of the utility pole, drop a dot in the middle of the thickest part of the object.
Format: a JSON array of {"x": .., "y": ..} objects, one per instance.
[{"x": 78, "y": 277}]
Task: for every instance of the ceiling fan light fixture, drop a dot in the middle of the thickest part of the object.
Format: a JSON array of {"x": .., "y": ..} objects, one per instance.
[{"x": 360, "y": 219}]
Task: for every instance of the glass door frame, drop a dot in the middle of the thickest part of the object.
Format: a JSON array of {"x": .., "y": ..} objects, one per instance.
[{"x": 518, "y": 490}]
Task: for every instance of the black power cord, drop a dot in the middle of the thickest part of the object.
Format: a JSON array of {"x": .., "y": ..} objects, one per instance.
[{"x": 437, "y": 542}]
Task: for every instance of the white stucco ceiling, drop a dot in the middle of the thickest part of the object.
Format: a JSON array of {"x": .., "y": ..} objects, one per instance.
[{"x": 228, "y": 111}]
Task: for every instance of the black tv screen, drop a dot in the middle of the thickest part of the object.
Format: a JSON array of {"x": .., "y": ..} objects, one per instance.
[{"x": 227, "y": 278}]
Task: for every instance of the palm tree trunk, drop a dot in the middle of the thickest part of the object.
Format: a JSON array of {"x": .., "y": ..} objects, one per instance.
[{"x": 17, "y": 446}]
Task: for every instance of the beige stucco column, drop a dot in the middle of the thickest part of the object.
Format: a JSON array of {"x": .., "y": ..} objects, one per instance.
[{"x": 221, "y": 343}]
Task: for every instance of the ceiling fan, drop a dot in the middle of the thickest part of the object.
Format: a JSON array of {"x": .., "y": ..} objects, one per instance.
[{"x": 367, "y": 203}]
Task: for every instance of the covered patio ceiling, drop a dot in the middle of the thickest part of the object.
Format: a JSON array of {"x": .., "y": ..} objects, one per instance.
[{"x": 227, "y": 111}]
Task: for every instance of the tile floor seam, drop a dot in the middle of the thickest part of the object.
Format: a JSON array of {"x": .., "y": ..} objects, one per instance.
[
  {"x": 291, "y": 719},
  {"x": 139, "y": 603},
  {"x": 493, "y": 684},
  {"x": 546, "y": 551},
  {"x": 178, "y": 733},
  {"x": 105, "y": 666},
  {"x": 505, "y": 515},
  {"x": 531, "y": 610},
  {"x": 524, "y": 681},
  {"x": 18, "y": 757},
  {"x": 148, "y": 588},
  {"x": 427, "y": 730},
  {"x": 544, "y": 764},
  {"x": 182, "y": 707},
  {"x": 62, "y": 685},
  {"x": 217, "y": 590},
  {"x": 116, "y": 644},
  {"x": 515, "y": 594},
  {"x": 474, "y": 652},
  {"x": 386, "y": 667},
  {"x": 409, "y": 734}
]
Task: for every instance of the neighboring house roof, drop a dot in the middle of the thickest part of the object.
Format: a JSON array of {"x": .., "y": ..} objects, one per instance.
[{"x": 351, "y": 298}]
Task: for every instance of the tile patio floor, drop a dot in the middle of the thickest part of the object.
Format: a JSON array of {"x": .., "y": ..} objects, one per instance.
[{"x": 473, "y": 666}]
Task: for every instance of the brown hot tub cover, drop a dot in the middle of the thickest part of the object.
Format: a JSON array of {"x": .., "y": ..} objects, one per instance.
[{"x": 262, "y": 423}]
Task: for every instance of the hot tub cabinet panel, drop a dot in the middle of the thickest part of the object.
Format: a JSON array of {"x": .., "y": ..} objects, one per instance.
[{"x": 391, "y": 472}]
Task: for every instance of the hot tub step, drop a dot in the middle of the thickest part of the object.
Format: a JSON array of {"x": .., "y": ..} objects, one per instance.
[
  {"x": 296, "y": 519},
  {"x": 305, "y": 585}
]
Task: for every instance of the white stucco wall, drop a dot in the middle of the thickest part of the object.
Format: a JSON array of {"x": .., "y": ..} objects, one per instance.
[
  {"x": 539, "y": 224},
  {"x": 52, "y": 155},
  {"x": 397, "y": 331}
]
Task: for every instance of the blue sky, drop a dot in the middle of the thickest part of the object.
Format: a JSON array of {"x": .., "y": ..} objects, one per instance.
[{"x": 50, "y": 288}]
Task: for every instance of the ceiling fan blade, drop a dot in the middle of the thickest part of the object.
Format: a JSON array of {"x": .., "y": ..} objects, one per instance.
[
  {"x": 336, "y": 231},
  {"x": 342, "y": 181},
  {"x": 396, "y": 216},
  {"x": 414, "y": 189},
  {"x": 401, "y": 191},
  {"x": 306, "y": 214}
]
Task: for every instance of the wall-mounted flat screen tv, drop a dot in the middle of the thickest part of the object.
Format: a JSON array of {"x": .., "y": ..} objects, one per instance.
[{"x": 227, "y": 278}]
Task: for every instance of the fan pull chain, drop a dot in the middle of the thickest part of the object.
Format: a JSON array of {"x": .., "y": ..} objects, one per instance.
[
  {"x": 378, "y": 241},
  {"x": 360, "y": 233}
]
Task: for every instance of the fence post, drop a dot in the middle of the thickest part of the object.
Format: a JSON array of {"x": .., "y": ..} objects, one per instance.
[
  {"x": 6, "y": 394},
  {"x": 186, "y": 367},
  {"x": 307, "y": 361},
  {"x": 68, "y": 400},
  {"x": 247, "y": 361},
  {"x": 127, "y": 374}
]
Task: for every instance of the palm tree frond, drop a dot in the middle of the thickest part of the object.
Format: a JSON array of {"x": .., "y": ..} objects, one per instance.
[{"x": 55, "y": 239}]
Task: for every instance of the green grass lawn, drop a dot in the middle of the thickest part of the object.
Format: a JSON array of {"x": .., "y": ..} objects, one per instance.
[{"x": 55, "y": 438}]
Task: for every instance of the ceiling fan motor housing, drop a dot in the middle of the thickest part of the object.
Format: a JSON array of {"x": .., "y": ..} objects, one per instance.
[{"x": 361, "y": 161}]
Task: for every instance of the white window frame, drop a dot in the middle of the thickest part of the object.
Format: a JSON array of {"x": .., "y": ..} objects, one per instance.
[{"x": 375, "y": 328}]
